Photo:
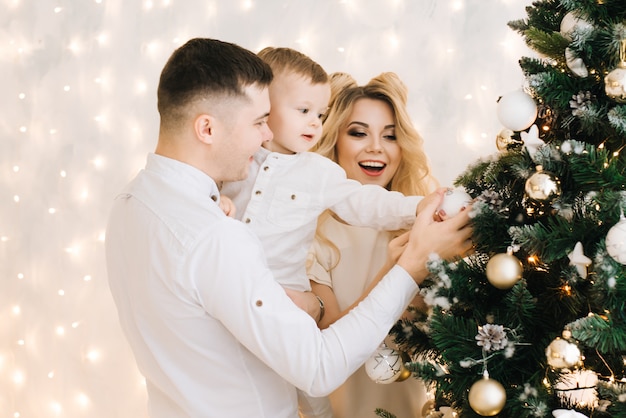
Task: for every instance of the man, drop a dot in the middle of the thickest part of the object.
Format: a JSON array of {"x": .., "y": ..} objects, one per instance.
[{"x": 211, "y": 330}]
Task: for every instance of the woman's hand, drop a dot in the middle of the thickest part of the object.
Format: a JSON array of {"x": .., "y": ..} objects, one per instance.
[
  {"x": 432, "y": 197},
  {"x": 307, "y": 301},
  {"x": 395, "y": 248},
  {"x": 448, "y": 239}
]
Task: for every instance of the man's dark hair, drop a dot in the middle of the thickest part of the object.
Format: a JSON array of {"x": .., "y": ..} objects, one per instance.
[{"x": 208, "y": 68}]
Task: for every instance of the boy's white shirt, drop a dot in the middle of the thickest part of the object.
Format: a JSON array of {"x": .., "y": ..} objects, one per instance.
[{"x": 284, "y": 194}]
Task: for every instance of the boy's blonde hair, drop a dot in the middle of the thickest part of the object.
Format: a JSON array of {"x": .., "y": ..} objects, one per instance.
[{"x": 283, "y": 60}]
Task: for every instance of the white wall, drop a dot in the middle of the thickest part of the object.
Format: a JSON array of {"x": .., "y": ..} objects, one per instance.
[{"x": 78, "y": 114}]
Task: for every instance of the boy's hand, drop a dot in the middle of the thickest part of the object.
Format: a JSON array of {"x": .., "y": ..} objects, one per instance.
[{"x": 227, "y": 206}]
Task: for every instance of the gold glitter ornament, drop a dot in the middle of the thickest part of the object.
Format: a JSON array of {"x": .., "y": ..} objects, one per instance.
[{"x": 487, "y": 397}]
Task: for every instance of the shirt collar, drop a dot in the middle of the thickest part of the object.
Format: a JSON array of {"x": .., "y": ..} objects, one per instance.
[
  {"x": 188, "y": 176},
  {"x": 263, "y": 153}
]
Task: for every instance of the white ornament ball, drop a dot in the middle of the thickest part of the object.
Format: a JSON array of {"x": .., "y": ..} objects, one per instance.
[
  {"x": 504, "y": 271},
  {"x": 487, "y": 397},
  {"x": 616, "y": 241},
  {"x": 453, "y": 202},
  {"x": 385, "y": 366},
  {"x": 572, "y": 22},
  {"x": 517, "y": 110}
]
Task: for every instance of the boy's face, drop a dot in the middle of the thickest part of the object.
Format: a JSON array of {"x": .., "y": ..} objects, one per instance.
[{"x": 297, "y": 107}]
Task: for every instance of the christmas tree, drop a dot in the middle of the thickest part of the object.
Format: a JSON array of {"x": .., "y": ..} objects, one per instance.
[{"x": 533, "y": 324}]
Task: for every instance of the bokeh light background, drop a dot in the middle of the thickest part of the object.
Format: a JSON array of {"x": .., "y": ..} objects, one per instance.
[{"x": 78, "y": 115}]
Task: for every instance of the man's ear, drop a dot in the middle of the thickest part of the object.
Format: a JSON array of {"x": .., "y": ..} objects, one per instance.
[{"x": 204, "y": 127}]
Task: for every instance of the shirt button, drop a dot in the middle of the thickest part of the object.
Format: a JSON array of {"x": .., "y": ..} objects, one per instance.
[
  {"x": 293, "y": 197},
  {"x": 258, "y": 192},
  {"x": 266, "y": 168},
  {"x": 214, "y": 198},
  {"x": 259, "y": 303},
  {"x": 247, "y": 220}
]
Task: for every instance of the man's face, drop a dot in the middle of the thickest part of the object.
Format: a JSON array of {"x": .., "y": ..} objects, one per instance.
[{"x": 244, "y": 129}]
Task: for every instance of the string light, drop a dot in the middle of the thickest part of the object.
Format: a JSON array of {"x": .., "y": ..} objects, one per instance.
[{"x": 80, "y": 117}]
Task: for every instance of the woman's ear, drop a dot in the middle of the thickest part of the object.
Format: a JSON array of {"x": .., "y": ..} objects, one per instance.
[{"x": 204, "y": 127}]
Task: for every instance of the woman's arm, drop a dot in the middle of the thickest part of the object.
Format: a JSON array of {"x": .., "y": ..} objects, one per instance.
[{"x": 394, "y": 249}]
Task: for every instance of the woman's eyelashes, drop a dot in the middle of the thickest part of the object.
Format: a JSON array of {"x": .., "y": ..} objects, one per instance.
[
  {"x": 363, "y": 134},
  {"x": 357, "y": 134}
]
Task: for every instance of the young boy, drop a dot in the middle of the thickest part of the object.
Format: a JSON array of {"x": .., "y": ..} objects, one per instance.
[{"x": 288, "y": 187}]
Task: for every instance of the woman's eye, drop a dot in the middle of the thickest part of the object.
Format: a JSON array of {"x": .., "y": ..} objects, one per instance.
[
  {"x": 304, "y": 111},
  {"x": 390, "y": 137},
  {"x": 357, "y": 134}
]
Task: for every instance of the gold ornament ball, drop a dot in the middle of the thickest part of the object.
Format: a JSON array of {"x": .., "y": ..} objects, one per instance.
[
  {"x": 563, "y": 354},
  {"x": 404, "y": 372},
  {"x": 543, "y": 186},
  {"x": 505, "y": 139},
  {"x": 615, "y": 84},
  {"x": 504, "y": 270},
  {"x": 487, "y": 397}
]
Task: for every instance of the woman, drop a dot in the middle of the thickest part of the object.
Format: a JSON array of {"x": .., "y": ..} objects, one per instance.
[{"x": 369, "y": 133}]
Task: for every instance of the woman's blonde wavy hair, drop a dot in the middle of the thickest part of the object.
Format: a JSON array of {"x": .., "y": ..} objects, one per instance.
[{"x": 413, "y": 176}]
